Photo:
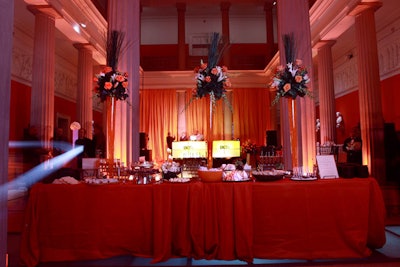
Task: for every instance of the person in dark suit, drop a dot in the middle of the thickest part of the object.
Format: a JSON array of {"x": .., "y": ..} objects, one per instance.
[
  {"x": 352, "y": 146},
  {"x": 170, "y": 139},
  {"x": 88, "y": 146}
]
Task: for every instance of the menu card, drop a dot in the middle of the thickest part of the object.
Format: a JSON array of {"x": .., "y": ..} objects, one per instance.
[{"x": 327, "y": 167}]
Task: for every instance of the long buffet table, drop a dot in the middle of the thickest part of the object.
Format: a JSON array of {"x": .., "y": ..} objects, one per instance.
[{"x": 338, "y": 218}]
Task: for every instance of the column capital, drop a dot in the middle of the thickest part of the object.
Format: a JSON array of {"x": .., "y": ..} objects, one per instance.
[
  {"x": 44, "y": 9},
  {"x": 363, "y": 6},
  {"x": 84, "y": 46},
  {"x": 324, "y": 43},
  {"x": 181, "y": 7}
]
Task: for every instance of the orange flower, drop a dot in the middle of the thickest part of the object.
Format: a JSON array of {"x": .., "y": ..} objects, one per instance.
[
  {"x": 298, "y": 78},
  {"x": 125, "y": 84},
  {"x": 287, "y": 87},
  {"x": 214, "y": 71},
  {"x": 203, "y": 66},
  {"x": 208, "y": 79},
  {"x": 107, "y": 69},
  {"x": 107, "y": 85},
  {"x": 120, "y": 78},
  {"x": 95, "y": 79}
]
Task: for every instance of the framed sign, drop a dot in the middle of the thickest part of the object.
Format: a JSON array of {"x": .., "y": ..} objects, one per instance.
[{"x": 327, "y": 167}]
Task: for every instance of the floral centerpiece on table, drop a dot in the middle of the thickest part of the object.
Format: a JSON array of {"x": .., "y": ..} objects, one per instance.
[
  {"x": 211, "y": 79},
  {"x": 249, "y": 147},
  {"x": 110, "y": 82},
  {"x": 290, "y": 81}
]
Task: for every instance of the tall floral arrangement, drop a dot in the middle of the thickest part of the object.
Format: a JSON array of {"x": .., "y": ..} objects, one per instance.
[
  {"x": 110, "y": 82},
  {"x": 111, "y": 85},
  {"x": 290, "y": 80},
  {"x": 212, "y": 79}
]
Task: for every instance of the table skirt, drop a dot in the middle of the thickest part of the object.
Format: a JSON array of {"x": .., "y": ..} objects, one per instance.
[{"x": 335, "y": 218}]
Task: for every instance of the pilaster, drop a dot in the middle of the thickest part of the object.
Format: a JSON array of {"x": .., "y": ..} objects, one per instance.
[
  {"x": 326, "y": 91},
  {"x": 84, "y": 103}
]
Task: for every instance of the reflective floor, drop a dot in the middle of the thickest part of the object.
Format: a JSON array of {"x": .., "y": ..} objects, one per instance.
[{"x": 387, "y": 256}]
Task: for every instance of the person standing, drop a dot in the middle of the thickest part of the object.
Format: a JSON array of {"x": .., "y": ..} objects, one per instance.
[
  {"x": 183, "y": 137},
  {"x": 59, "y": 142},
  {"x": 170, "y": 139},
  {"x": 88, "y": 146},
  {"x": 99, "y": 141},
  {"x": 353, "y": 145}
]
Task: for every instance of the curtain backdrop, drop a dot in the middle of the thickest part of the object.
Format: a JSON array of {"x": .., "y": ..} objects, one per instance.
[
  {"x": 158, "y": 116},
  {"x": 251, "y": 114},
  {"x": 198, "y": 117}
]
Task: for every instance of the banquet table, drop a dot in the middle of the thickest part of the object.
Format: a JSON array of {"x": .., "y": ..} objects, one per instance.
[{"x": 285, "y": 219}]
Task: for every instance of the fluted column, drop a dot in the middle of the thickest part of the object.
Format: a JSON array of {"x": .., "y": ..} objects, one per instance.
[
  {"x": 225, "y": 29},
  {"x": 6, "y": 42},
  {"x": 124, "y": 16},
  {"x": 302, "y": 151},
  {"x": 84, "y": 102},
  {"x": 270, "y": 28},
  {"x": 327, "y": 108},
  {"x": 371, "y": 116},
  {"x": 181, "y": 7},
  {"x": 43, "y": 71}
]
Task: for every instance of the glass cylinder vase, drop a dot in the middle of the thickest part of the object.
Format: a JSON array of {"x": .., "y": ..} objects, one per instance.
[{"x": 111, "y": 112}]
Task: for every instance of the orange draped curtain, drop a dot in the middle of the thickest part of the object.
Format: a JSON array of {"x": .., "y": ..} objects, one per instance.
[
  {"x": 158, "y": 116},
  {"x": 198, "y": 117},
  {"x": 251, "y": 114}
]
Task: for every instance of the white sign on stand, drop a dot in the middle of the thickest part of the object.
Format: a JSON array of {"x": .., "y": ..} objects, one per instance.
[{"x": 327, "y": 167}]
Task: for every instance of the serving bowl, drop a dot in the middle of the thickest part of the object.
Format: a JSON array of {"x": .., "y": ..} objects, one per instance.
[
  {"x": 263, "y": 176},
  {"x": 210, "y": 176}
]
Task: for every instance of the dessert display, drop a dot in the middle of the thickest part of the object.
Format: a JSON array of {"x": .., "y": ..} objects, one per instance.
[
  {"x": 170, "y": 169},
  {"x": 179, "y": 180},
  {"x": 236, "y": 172}
]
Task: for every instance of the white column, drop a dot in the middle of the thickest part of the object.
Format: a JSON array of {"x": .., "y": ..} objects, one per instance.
[
  {"x": 84, "y": 101},
  {"x": 327, "y": 108},
  {"x": 124, "y": 16},
  {"x": 371, "y": 115},
  {"x": 6, "y": 41},
  {"x": 181, "y": 8},
  {"x": 43, "y": 71},
  {"x": 225, "y": 29},
  {"x": 304, "y": 120}
]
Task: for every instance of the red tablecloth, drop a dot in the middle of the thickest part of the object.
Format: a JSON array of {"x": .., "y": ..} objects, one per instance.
[{"x": 335, "y": 218}]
